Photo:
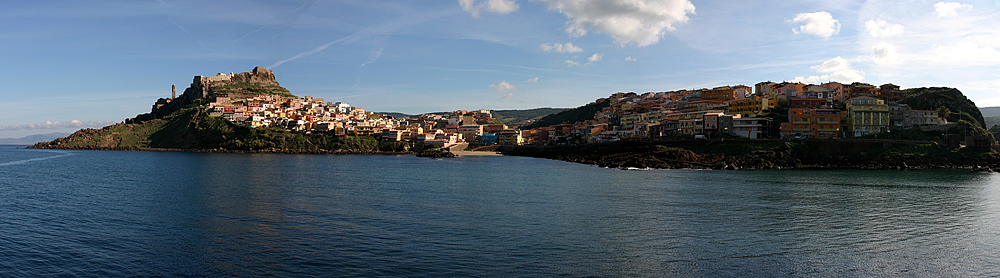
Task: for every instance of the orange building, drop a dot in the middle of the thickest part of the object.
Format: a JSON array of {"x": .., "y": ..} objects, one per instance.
[
  {"x": 719, "y": 94},
  {"x": 812, "y": 123}
]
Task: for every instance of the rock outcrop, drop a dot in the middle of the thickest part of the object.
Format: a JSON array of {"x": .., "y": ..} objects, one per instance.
[{"x": 204, "y": 88}]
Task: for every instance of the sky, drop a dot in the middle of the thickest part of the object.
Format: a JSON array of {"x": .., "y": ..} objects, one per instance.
[{"x": 67, "y": 65}]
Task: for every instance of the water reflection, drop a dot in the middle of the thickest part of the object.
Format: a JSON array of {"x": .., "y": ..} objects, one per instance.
[{"x": 179, "y": 214}]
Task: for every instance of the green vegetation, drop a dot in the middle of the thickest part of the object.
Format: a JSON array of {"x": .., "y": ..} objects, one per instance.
[
  {"x": 944, "y": 99},
  {"x": 191, "y": 128},
  {"x": 968, "y": 128},
  {"x": 519, "y": 117},
  {"x": 248, "y": 88},
  {"x": 579, "y": 114},
  {"x": 995, "y": 131},
  {"x": 991, "y": 121}
]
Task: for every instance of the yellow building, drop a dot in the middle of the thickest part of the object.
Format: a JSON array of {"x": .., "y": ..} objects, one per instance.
[
  {"x": 632, "y": 119},
  {"x": 510, "y": 137},
  {"x": 751, "y": 107},
  {"x": 867, "y": 115}
]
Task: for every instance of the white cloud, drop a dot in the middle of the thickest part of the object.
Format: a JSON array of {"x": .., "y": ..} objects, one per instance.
[
  {"x": 561, "y": 48},
  {"x": 494, "y": 6},
  {"x": 881, "y": 29},
  {"x": 571, "y": 63},
  {"x": 533, "y": 80},
  {"x": 990, "y": 90},
  {"x": 629, "y": 58},
  {"x": 595, "y": 58},
  {"x": 949, "y": 9},
  {"x": 638, "y": 22},
  {"x": 833, "y": 65},
  {"x": 57, "y": 125},
  {"x": 965, "y": 53},
  {"x": 819, "y": 24},
  {"x": 885, "y": 53},
  {"x": 837, "y": 69},
  {"x": 502, "y": 6},
  {"x": 503, "y": 86},
  {"x": 508, "y": 95}
]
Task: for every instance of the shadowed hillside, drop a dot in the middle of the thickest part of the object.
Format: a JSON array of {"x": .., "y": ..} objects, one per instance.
[{"x": 578, "y": 114}]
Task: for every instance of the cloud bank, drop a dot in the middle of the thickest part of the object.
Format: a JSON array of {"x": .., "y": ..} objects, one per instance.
[
  {"x": 949, "y": 9},
  {"x": 836, "y": 69},
  {"x": 881, "y": 29},
  {"x": 638, "y": 22}
]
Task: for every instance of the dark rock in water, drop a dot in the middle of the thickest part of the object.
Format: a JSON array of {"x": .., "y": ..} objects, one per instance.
[
  {"x": 436, "y": 153},
  {"x": 982, "y": 169}
]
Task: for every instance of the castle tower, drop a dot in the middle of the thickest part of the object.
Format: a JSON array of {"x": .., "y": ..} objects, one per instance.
[{"x": 173, "y": 91}]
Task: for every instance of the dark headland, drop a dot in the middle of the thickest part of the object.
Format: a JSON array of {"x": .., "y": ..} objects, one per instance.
[{"x": 186, "y": 123}]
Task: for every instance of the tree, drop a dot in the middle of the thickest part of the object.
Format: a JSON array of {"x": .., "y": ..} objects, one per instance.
[{"x": 944, "y": 112}]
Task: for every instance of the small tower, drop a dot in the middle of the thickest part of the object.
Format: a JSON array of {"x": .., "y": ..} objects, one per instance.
[{"x": 173, "y": 91}]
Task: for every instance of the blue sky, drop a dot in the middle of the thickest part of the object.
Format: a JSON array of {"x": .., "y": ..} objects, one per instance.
[{"x": 73, "y": 64}]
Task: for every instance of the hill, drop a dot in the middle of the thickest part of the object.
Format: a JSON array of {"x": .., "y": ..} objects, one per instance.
[
  {"x": 579, "y": 114},
  {"x": 934, "y": 98},
  {"x": 509, "y": 117},
  {"x": 182, "y": 124},
  {"x": 990, "y": 111},
  {"x": 520, "y": 117},
  {"x": 204, "y": 89},
  {"x": 192, "y": 129},
  {"x": 31, "y": 139}
]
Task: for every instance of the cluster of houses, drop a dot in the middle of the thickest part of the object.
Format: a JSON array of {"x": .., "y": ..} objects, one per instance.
[
  {"x": 308, "y": 114},
  {"x": 828, "y": 110}
]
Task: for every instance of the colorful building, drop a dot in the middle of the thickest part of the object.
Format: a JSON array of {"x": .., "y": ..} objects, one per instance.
[
  {"x": 867, "y": 115},
  {"x": 812, "y": 123},
  {"x": 751, "y": 107}
]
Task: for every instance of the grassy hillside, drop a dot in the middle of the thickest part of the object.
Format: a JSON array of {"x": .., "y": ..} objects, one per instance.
[
  {"x": 252, "y": 89},
  {"x": 191, "y": 128},
  {"x": 519, "y": 117},
  {"x": 578, "y": 114}
]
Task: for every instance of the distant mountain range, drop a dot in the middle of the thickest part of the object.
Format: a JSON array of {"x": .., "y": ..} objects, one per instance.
[
  {"x": 32, "y": 139},
  {"x": 990, "y": 111}
]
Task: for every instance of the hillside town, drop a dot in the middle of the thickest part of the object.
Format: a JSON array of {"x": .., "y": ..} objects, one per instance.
[
  {"x": 308, "y": 114},
  {"x": 828, "y": 110},
  {"x": 767, "y": 110}
]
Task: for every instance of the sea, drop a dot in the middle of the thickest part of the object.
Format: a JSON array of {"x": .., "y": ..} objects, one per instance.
[{"x": 73, "y": 213}]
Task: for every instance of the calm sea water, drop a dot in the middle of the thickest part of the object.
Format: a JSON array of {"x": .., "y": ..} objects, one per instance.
[{"x": 114, "y": 213}]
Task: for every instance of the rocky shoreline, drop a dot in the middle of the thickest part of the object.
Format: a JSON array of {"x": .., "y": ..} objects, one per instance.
[
  {"x": 785, "y": 156},
  {"x": 678, "y": 156}
]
